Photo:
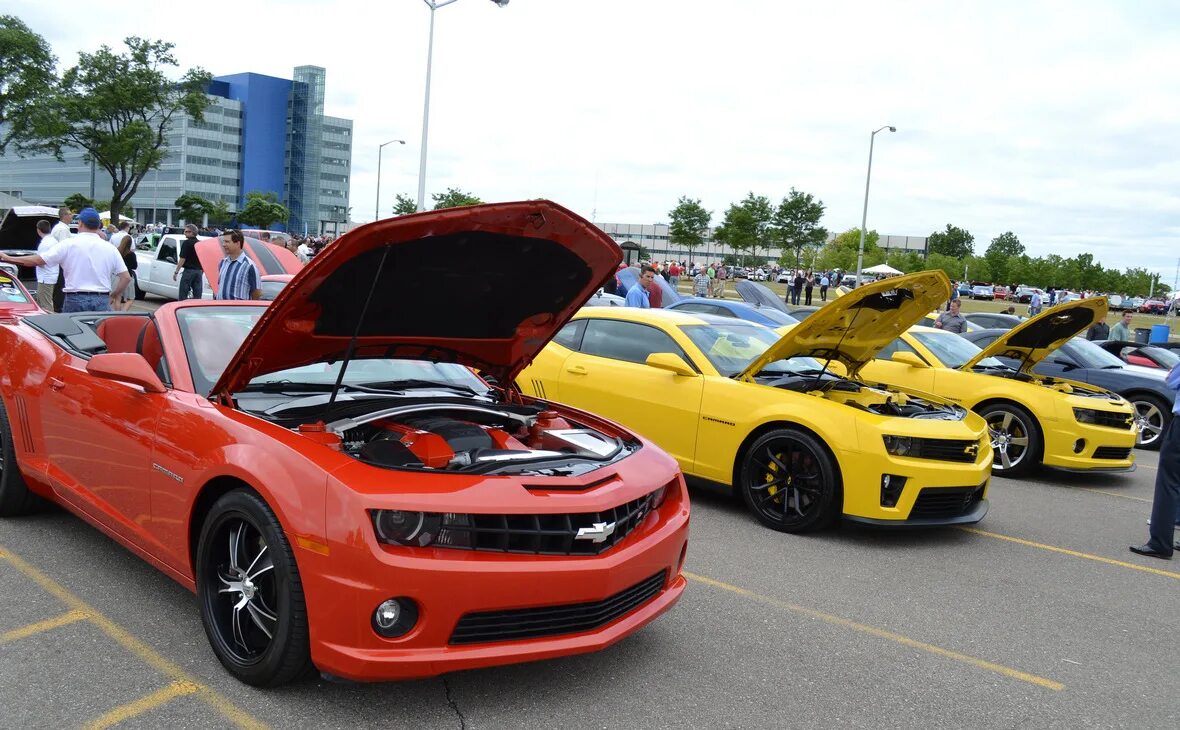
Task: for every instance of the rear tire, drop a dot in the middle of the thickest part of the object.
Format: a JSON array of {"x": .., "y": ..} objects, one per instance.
[{"x": 15, "y": 497}]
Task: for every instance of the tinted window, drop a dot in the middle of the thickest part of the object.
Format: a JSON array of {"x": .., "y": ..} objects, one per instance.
[
  {"x": 571, "y": 335},
  {"x": 167, "y": 251},
  {"x": 1087, "y": 354},
  {"x": 694, "y": 307},
  {"x": 952, "y": 350},
  {"x": 626, "y": 340},
  {"x": 898, "y": 345}
]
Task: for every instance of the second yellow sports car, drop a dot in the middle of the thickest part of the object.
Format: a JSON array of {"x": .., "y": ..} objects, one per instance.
[
  {"x": 742, "y": 408},
  {"x": 1034, "y": 419}
]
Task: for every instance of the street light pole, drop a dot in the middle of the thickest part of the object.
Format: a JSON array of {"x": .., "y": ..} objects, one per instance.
[
  {"x": 860, "y": 254},
  {"x": 377, "y": 208},
  {"x": 433, "y": 5}
]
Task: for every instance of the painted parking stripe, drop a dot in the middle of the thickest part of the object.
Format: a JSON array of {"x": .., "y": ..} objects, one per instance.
[
  {"x": 1073, "y": 553},
  {"x": 65, "y": 619},
  {"x": 882, "y": 634},
  {"x": 149, "y": 656},
  {"x": 122, "y": 713},
  {"x": 1115, "y": 494}
]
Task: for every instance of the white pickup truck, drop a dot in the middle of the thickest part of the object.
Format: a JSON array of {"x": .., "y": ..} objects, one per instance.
[{"x": 156, "y": 255}]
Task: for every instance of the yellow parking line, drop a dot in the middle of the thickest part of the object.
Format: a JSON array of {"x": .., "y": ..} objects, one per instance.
[
  {"x": 1114, "y": 494},
  {"x": 149, "y": 656},
  {"x": 1074, "y": 553},
  {"x": 882, "y": 634},
  {"x": 47, "y": 625},
  {"x": 143, "y": 704}
]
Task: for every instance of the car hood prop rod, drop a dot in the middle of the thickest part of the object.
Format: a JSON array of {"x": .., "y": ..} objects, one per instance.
[{"x": 360, "y": 323}]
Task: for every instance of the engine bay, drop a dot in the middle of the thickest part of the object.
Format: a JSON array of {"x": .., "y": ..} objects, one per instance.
[
  {"x": 879, "y": 399},
  {"x": 471, "y": 438}
]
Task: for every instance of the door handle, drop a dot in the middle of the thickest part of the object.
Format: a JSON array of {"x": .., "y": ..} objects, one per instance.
[
  {"x": 576, "y": 370},
  {"x": 56, "y": 384}
]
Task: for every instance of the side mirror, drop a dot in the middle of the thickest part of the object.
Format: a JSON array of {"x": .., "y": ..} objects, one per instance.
[
  {"x": 909, "y": 358},
  {"x": 126, "y": 367},
  {"x": 671, "y": 362}
]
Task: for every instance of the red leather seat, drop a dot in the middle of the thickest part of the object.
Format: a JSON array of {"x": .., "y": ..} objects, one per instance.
[
  {"x": 121, "y": 333},
  {"x": 150, "y": 347}
]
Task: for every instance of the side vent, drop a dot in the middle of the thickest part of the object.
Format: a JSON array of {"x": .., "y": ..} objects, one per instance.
[
  {"x": 22, "y": 419},
  {"x": 539, "y": 389}
]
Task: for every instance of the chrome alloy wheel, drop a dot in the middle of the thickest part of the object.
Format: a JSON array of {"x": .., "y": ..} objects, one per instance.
[
  {"x": 1150, "y": 419},
  {"x": 245, "y": 616},
  {"x": 1009, "y": 437}
]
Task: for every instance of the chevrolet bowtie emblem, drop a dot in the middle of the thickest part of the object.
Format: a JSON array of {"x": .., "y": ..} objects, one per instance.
[
  {"x": 598, "y": 532},
  {"x": 972, "y": 449}
]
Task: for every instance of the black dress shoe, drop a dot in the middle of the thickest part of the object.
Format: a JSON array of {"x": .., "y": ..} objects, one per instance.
[{"x": 1151, "y": 552}]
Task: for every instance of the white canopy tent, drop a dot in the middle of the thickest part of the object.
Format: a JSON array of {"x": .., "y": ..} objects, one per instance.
[
  {"x": 882, "y": 270},
  {"x": 106, "y": 216}
]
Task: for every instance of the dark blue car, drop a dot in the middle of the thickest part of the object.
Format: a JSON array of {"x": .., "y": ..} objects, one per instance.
[{"x": 769, "y": 316}]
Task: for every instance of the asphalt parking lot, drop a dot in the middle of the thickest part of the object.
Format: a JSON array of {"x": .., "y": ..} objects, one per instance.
[{"x": 1037, "y": 617}]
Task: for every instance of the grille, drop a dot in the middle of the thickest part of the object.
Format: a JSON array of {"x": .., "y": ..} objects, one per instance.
[
  {"x": 1112, "y": 419},
  {"x": 945, "y": 501},
  {"x": 946, "y": 449},
  {"x": 1112, "y": 452},
  {"x": 546, "y": 534},
  {"x": 530, "y": 623}
]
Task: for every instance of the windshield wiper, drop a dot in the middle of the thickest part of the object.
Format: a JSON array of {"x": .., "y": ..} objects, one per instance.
[
  {"x": 286, "y": 386},
  {"x": 1111, "y": 367},
  {"x": 394, "y": 386}
]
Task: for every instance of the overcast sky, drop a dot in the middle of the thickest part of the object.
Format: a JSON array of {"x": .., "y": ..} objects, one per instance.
[{"x": 1058, "y": 121}]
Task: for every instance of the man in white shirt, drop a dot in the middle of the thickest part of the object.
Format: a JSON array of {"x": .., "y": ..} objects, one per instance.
[
  {"x": 118, "y": 236},
  {"x": 46, "y": 275},
  {"x": 303, "y": 252},
  {"x": 89, "y": 265},
  {"x": 61, "y": 230}
]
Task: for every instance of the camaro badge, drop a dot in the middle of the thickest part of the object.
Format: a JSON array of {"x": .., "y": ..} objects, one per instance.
[{"x": 598, "y": 532}]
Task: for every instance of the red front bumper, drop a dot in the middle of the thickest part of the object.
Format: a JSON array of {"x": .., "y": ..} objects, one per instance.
[{"x": 344, "y": 588}]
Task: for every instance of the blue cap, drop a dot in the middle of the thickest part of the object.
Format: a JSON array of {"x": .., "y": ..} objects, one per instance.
[{"x": 89, "y": 218}]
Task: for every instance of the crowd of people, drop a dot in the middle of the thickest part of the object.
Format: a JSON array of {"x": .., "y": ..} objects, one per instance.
[{"x": 709, "y": 280}]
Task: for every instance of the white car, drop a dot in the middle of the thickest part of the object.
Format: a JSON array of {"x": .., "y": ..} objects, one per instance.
[{"x": 156, "y": 256}]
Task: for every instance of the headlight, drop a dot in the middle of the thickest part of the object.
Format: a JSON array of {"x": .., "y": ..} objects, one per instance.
[
  {"x": 1085, "y": 415},
  {"x": 420, "y": 529},
  {"x": 898, "y": 445}
]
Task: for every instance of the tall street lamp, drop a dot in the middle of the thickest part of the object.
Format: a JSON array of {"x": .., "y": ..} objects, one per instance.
[
  {"x": 433, "y": 5},
  {"x": 377, "y": 208},
  {"x": 860, "y": 254}
]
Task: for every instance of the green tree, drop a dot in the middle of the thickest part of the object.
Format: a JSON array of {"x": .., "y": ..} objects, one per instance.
[
  {"x": 192, "y": 207},
  {"x": 841, "y": 251},
  {"x": 404, "y": 205},
  {"x": 262, "y": 209},
  {"x": 745, "y": 225},
  {"x": 999, "y": 255},
  {"x": 954, "y": 242},
  {"x": 77, "y": 201},
  {"x": 689, "y": 222},
  {"x": 118, "y": 109},
  {"x": 218, "y": 212},
  {"x": 795, "y": 224},
  {"x": 26, "y": 75},
  {"x": 453, "y": 198}
]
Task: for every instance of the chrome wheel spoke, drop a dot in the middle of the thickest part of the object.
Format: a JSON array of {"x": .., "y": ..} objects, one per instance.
[
  {"x": 255, "y": 560},
  {"x": 239, "y": 635},
  {"x": 1021, "y": 441},
  {"x": 259, "y": 616},
  {"x": 1006, "y": 424},
  {"x": 235, "y": 544},
  {"x": 266, "y": 566}
]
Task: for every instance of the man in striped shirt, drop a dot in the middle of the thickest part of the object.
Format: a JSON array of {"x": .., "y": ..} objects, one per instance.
[{"x": 237, "y": 277}]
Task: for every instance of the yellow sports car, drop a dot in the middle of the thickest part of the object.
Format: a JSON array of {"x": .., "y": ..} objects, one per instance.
[
  {"x": 1034, "y": 419},
  {"x": 744, "y": 409}
]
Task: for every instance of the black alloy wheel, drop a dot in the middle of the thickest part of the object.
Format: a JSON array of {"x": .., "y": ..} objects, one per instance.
[
  {"x": 250, "y": 594},
  {"x": 1016, "y": 441},
  {"x": 790, "y": 483},
  {"x": 1152, "y": 415},
  {"x": 15, "y": 497}
]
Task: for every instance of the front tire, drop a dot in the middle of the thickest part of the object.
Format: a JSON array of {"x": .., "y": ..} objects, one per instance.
[
  {"x": 250, "y": 594},
  {"x": 1153, "y": 416},
  {"x": 790, "y": 482},
  {"x": 1016, "y": 440},
  {"x": 15, "y": 497}
]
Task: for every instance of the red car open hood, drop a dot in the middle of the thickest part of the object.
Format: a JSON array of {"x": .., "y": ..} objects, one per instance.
[{"x": 485, "y": 286}]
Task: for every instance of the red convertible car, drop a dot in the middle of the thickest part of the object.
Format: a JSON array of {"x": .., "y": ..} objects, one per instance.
[{"x": 328, "y": 473}]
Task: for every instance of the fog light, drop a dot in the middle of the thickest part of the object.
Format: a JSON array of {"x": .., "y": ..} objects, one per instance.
[
  {"x": 1079, "y": 446},
  {"x": 395, "y": 617},
  {"x": 891, "y": 488}
]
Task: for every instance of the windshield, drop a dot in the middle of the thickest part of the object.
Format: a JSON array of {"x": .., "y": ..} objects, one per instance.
[
  {"x": 731, "y": 347},
  {"x": 1088, "y": 355},
  {"x": 952, "y": 350},
  {"x": 212, "y": 335}
]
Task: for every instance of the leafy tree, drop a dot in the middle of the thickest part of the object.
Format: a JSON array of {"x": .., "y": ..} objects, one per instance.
[
  {"x": 218, "y": 212},
  {"x": 745, "y": 225},
  {"x": 26, "y": 75},
  {"x": 689, "y": 221},
  {"x": 1000, "y": 253},
  {"x": 118, "y": 109},
  {"x": 262, "y": 209},
  {"x": 453, "y": 198},
  {"x": 404, "y": 205},
  {"x": 952, "y": 266},
  {"x": 77, "y": 201},
  {"x": 795, "y": 224},
  {"x": 192, "y": 207},
  {"x": 954, "y": 242},
  {"x": 841, "y": 251}
]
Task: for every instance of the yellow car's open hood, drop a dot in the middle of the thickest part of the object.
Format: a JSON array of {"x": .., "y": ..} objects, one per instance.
[
  {"x": 854, "y": 328},
  {"x": 1032, "y": 340}
]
